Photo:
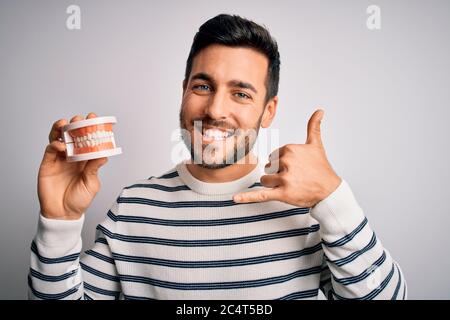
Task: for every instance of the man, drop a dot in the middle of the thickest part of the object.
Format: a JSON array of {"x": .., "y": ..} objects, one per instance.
[{"x": 214, "y": 227}]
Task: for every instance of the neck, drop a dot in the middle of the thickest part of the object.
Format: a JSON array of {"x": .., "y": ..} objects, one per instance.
[{"x": 229, "y": 173}]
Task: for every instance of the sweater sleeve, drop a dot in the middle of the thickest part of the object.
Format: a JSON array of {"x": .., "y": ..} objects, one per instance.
[
  {"x": 59, "y": 271},
  {"x": 356, "y": 265}
]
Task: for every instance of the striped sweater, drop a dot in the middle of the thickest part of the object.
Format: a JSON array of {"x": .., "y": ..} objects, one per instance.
[{"x": 176, "y": 237}]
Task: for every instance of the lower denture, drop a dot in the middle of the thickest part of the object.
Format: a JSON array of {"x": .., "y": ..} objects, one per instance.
[{"x": 103, "y": 146}]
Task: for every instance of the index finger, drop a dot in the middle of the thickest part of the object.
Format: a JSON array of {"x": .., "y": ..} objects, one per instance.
[
  {"x": 262, "y": 195},
  {"x": 55, "y": 132}
]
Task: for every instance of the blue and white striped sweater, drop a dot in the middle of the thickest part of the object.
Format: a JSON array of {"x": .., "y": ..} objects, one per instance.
[{"x": 175, "y": 237}]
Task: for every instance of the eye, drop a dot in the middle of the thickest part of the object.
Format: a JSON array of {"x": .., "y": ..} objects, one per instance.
[
  {"x": 201, "y": 87},
  {"x": 242, "y": 95}
]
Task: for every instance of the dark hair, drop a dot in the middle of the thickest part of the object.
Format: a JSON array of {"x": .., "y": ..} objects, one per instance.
[{"x": 235, "y": 31}]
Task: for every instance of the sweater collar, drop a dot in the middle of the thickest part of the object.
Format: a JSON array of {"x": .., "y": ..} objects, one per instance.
[{"x": 219, "y": 188}]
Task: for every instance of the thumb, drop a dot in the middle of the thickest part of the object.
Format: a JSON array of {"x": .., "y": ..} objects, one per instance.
[
  {"x": 313, "y": 134},
  {"x": 92, "y": 166}
]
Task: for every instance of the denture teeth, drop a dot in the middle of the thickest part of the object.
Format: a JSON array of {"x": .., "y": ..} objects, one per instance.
[{"x": 92, "y": 139}]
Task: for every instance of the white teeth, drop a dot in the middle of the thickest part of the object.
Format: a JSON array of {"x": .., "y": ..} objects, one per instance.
[
  {"x": 93, "y": 139},
  {"x": 216, "y": 134}
]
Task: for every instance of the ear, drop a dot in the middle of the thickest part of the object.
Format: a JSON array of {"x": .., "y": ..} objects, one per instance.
[{"x": 269, "y": 112}]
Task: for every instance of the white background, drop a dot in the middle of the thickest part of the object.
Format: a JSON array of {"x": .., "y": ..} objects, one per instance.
[{"x": 385, "y": 95}]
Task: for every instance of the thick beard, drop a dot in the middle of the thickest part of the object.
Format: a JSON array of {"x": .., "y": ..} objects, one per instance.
[{"x": 241, "y": 147}]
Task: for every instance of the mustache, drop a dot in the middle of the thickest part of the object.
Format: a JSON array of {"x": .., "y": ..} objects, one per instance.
[
  {"x": 214, "y": 123},
  {"x": 205, "y": 121}
]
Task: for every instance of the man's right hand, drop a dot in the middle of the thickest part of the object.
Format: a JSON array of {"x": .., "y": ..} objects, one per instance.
[{"x": 66, "y": 189}]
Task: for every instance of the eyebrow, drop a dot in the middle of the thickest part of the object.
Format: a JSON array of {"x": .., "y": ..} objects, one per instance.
[
  {"x": 231, "y": 83},
  {"x": 203, "y": 76},
  {"x": 242, "y": 84}
]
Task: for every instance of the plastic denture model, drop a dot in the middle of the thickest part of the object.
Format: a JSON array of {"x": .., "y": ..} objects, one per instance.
[{"x": 90, "y": 139}]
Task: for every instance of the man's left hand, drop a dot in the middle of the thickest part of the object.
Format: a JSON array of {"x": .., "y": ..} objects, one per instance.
[{"x": 298, "y": 174}]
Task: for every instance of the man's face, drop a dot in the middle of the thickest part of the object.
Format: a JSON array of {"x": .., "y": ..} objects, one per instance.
[{"x": 223, "y": 104}]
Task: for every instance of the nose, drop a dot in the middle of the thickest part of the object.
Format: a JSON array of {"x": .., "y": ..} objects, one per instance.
[{"x": 217, "y": 106}]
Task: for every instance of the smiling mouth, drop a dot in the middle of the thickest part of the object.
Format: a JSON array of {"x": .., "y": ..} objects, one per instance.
[{"x": 214, "y": 134}]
